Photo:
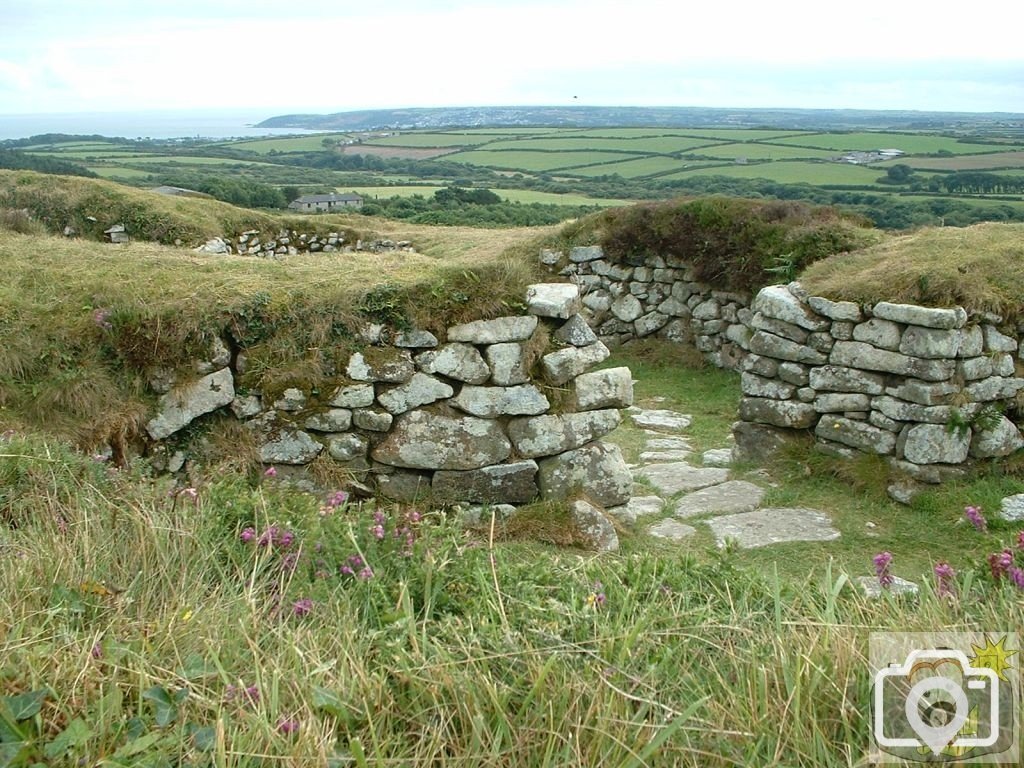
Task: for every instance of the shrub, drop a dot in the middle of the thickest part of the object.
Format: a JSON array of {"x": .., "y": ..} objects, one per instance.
[{"x": 732, "y": 243}]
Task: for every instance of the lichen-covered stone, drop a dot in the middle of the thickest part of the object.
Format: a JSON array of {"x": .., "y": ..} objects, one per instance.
[
  {"x": 755, "y": 442},
  {"x": 353, "y": 396},
  {"x": 778, "y": 413},
  {"x": 912, "y": 314},
  {"x": 883, "y": 334},
  {"x": 995, "y": 341},
  {"x": 770, "y": 345},
  {"x": 372, "y": 419},
  {"x": 559, "y": 300},
  {"x": 347, "y": 447},
  {"x": 576, "y": 332},
  {"x": 186, "y": 402},
  {"x": 581, "y": 253},
  {"x": 597, "y": 470},
  {"x": 244, "y": 406},
  {"x": 491, "y": 402},
  {"x": 593, "y": 529},
  {"x": 778, "y": 302},
  {"x": 923, "y": 392},
  {"x": 935, "y": 444},
  {"x": 856, "y": 434},
  {"x": 422, "y": 440},
  {"x": 756, "y": 386},
  {"x": 839, "y": 402},
  {"x": 381, "y": 364},
  {"x": 513, "y": 483},
  {"x": 564, "y": 364},
  {"x": 993, "y": 388},
  {"x": 999, "y": 439},
  {"x": 609, "y": 388},
  {"x": 931, "y": 342},
  {"x": 555, "y": 433},
  {"x": 290, "y": 446},
  {"x": 627, "y": 308},
  {"x": 331, "y": 420},
  {"x": 462, "y": 362},
  {"x": 857, "y": 354},
  {"x": 901, "y": 410},
  {"x": 421, "y": 389},
  {"x": 842, "y": 311},
  {"x": 415, "y": 339},
  {"x": 497, "y": 331}
]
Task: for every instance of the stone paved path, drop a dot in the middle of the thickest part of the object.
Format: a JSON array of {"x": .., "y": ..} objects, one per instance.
[{"x": 705, "y": 495}]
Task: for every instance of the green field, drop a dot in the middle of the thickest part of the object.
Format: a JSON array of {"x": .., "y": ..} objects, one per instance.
[
  {"x": 663, "y": 145},
  {"x": 634, "y": 169},
  {"x": 512, "y": 195},
  {"x": 793, "y": 172},
  {"x": 537, "y": 161},
  {"x": 286, "y": 143},
  {"x": 910, "y": 143},
  {"x": 987, "y": 162},
  {"x": 428, "y": 140},
  {"x": 761, "y": 151}
]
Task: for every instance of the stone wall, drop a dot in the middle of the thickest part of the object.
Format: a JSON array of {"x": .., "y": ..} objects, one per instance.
[
  {"x": 925, "y": 387},
  {"x": 292, "y": 243},
  {"x": 656, "y": 296},
  {"x": 499, "y": 411}
]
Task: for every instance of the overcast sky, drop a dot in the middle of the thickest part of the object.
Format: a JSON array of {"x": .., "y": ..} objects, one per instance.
[{"x": 337, "y": 55}]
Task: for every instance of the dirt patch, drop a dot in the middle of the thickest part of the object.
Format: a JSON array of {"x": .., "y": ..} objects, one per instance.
[{"x": 406, "y": 153}]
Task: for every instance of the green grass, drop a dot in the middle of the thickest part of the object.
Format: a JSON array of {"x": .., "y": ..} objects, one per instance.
[
  {"x": 760, "y": 151},
  {"x": 996, "y": 161},
  {"x": 135, "y": 620},
  {"x": 655, "y": 144},
  {"x": 514, "y": 195},
  {"x": 980, "y": 267},
  {"x": 427, "y": 140}
]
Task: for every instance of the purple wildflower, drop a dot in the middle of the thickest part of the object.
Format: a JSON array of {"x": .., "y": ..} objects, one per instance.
[
  {"x": 1017, "y": 577},
  {"x": 1000, "y": 563},
  {"x": 973, "y": 514},
  {"x": 366, "y": 573},
  {"x": 97, "y": 651},
  {"x": 882, "y": 561},
  {"x": 101, "y": 318},
  {"x": 945, "y": 575},
  {"x": 271, "y": 472},
  {"x": 1020, "y": 540},
  {"x": 287, "y": 726},
  {"x": 247, "y": 535},
  {"x": 302, "y": 607},
  {"x": 290, "y": 561}
]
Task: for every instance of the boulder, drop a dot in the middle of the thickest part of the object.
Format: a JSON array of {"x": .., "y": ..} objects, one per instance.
[
  {"x": 627, "y": 308},
  {"x": 508, "y": 364},
  {"x": 415, "y": 339},
  {"x": 857, "y": 354},
  {"x": 491, "y": 402},
  {"x": 559, "y": 300},
  {"x": 581, "y": 253},
  {"x": 178, "y": 408},
  {"x": 456, "y": 361},
  {"x": 597, "y": 470},
  {"x": 513, "y": 483},
  {"x": 501, "y": 329},
  {"x": 422, "y": 440},
  {"x": 555, "y": 433},
  {"x": 843, "y": 311},
  {"x": 593, "y": 529}
]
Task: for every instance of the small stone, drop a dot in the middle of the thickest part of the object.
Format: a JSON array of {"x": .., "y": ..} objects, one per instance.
[
  {"x": 717, "y": 457},
  {"x": 332, "y": 420},
  {"x": 244, "y": 406},
  {"x": 415, "y": 339},
  {"x": 347, "y": 447},
  {"x": 381, "y": 364},
  {"x": 456, "y": 361},
  {"x": 421, "y": 389},
  {"x": 672, "y": 530},
  {"x": 1011, "y": 508},
  {"x": 353, "y": 396},
  {"x": 372, "y": 420},
  {"x": 576, "y": 332}
]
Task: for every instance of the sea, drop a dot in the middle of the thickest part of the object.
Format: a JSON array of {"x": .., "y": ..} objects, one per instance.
[{"x": 169, "y": 124}]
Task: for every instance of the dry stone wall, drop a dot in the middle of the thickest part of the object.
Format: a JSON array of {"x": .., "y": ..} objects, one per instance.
[
  {"x": 655, "y": 296},
  {"x": 292, "y": 243},
  {"x": 469, "y": 418},
  {"x": 925, "y": 387}
]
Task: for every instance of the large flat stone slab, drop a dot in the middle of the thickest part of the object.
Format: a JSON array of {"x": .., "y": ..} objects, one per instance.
[
  {"x": 677, "y": 476},
  {"x": 731, "y": 497},
  {"x": 658, "y": 456},
  {"x": 637, "y": 506},
  {"x": 667, "y": 444},
  {"x": 764, "y": 527},
  {"x": 661, "y": 419}
]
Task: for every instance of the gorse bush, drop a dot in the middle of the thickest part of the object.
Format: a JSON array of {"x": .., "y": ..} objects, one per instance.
[{"x": 731, "y": 243}]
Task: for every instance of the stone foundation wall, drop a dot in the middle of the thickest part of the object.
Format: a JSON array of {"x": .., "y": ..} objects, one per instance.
[
  {"x": 925, "y": 387},
  {"x": 656, "y": 296},
  {"x": 499, "y": 411},
  {"x": 292, "y": 243}
]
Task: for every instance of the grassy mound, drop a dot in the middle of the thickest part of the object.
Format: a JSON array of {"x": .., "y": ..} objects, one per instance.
[
  {"x": 733, "y": 244},
  {"x": 980, "y": 268},
  {"x": 81, "y": 324}
]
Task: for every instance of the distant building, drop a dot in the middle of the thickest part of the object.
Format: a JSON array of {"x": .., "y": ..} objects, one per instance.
[{"x": 331, "y": 202}]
